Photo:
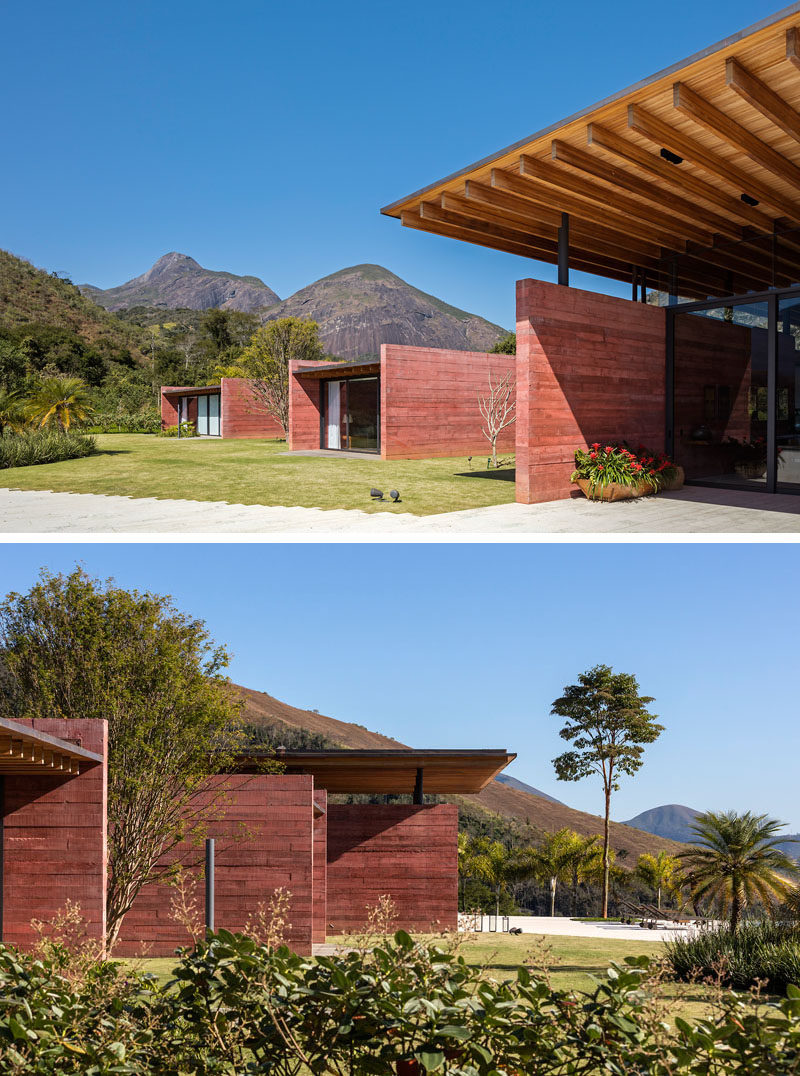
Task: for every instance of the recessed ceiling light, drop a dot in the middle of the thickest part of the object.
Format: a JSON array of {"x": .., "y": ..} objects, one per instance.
[
  {"x": 749, "y": 200},
  {"x": 673, "y": 158}
]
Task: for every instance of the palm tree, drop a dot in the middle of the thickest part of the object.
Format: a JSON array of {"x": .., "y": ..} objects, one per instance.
[
  {"x": 585, "y": 860},
  {"x": 736, "y": 861},
  {"x": 657, "y": 872},
  {"x": 60, "y": 401},
  {"x": 11, "y": 415},
  {"x": 552, "y": 861},
  {"x": 498, "y": 866}
]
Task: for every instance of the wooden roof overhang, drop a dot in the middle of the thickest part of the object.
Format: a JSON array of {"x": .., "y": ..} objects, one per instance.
[
  {"x": 392, "y": 771},
  {"x": 342, "y": 369},
  {"x": 24, "y": 750},
  {"x": 697, "y": 165},
  {"x": 189, "y": 390}
]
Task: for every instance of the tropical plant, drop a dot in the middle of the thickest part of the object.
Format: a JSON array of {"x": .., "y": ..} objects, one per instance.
[
  {"x": 12, "y": 416},
  {"x": 498, "y": 866},
  {"x": 43, "y": 446},
  {"x": 766, "y": 952},
  {"x": 552, "y": 861},
  {"x": 658, "y": 872},
  {"x": 736, "y": 862},
  {"x": 59, "y": 402},
  {"x": 608, "y": 723},
  {"x": 614, "y": 464}
]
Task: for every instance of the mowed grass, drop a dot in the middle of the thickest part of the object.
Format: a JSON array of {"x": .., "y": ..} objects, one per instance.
[
  {"x": 260, "y": 472},
  {"x": 569, "y": 963}
]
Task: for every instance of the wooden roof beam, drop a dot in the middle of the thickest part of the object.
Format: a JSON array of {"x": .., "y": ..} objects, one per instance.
[
  {"x": 793, "y": 46},
  {"x": 667, "y": 137},
  {"x": 541, "y": 194},
  {"x": 690, "y": 104},
  {"x": 675, "y": 176},
  {"x": 762, "y": 98},
  {"x": 641, "y": 188},
  {"x": 563, "y": 178}
]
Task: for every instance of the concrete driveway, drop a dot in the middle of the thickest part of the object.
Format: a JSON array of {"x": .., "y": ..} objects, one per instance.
[{"x": 692, "y": 510}]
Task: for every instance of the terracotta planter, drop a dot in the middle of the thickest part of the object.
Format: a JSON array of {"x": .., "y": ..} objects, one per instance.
[
  {"x": 750, "y": 468},
  {"x": 676, "y": 482},
  {"x": 613, "y": 491}
]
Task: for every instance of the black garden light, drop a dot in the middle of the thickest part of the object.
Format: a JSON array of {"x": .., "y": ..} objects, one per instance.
[
  {"x": 376, "y": 494},
  {"x": 395, "y": 495}
]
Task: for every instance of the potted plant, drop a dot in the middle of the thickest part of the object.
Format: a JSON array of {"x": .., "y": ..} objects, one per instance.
[
  {"x": 614, "y": 473},
  {"x": 750, "y": 457}
]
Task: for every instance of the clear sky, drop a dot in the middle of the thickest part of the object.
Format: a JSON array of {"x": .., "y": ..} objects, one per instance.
[
  {"x": 263, "y": 138},
  {"x": 468, "y": 645}
]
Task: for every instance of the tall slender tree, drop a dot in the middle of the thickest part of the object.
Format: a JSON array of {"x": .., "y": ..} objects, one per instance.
[
  {"x": 736, "y": 861},
  {"x": 608, "y": 724},
  {"x": 657, "y": 871}
]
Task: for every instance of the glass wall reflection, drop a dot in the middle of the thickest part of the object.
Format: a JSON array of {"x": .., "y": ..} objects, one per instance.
[{"x": 788, "y": 402}]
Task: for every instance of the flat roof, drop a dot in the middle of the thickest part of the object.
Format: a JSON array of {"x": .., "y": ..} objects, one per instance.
[
  {"x": 729, "y": 119},
  {"x": 392, "y": 770},
  {"x": 347, "y": 369},
  {"x": 188, "y": 390},
  {"x": 25, "y": 750}
]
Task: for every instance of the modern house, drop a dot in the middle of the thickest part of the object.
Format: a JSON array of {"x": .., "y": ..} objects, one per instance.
[
  {"x": 686, "y": 184},
  {"x": 335, "y": 859}
]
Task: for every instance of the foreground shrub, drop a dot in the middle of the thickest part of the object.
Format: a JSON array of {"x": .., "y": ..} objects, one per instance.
[
  {"x": 400, "y": 1009},
  {"x": 757, "y": 952},
  {"x": 187, "y": 430},
  {"x": 43, "y": 446},
  {"x": 615, "y": 464}
]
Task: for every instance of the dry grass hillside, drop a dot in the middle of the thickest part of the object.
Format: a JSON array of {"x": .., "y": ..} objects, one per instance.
[{"x": 526, "y": 809}]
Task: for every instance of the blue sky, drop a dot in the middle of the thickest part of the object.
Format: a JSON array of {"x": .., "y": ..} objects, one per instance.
[
  {"x": 263, "y": 138},
  {"x": 468, "y": 645}
]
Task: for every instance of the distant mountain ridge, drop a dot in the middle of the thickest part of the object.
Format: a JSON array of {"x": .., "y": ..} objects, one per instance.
[
  {"x": 364, "y": 306},
  {"x": 357, "y": 308},
  {"x": 176, "y": 280},
  {"x": 508, "y": 799},
  {"x": 673, "y": 821}
]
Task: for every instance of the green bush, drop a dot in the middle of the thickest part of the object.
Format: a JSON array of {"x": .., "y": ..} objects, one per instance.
[
  {"x": 146, "y": 422},
  {"x": 765, "y": 951},
  {"x": 43, "y": 446},
  {"x": 187, "y": 430}
]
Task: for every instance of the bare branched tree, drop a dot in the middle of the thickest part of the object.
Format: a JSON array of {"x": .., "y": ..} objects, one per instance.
[
  {"x": 265, "y": 361},
  {"x": 498, "y": 408}
]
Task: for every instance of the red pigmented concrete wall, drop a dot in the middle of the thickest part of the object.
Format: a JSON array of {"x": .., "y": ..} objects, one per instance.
[
  {"x": 589, "y": 368},
  {"x": 264, "y": 840},
  {"x": 54, "y": 838},
  {"x": 241, "y": 414},
  {"x": 320, "y": 903},
  {"x": 305, "y": 402},
  {"x": 407, "y": 852},
  {"x": 169, "y": 409},
  {"x": 429, "y": 402}
]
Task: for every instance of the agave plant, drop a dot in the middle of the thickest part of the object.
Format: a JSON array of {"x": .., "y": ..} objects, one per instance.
[{"x": 59, "y": 402}]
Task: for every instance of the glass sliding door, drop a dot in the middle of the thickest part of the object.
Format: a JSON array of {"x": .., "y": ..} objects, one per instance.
[
  {"x": 208, "y": 415},
  {"x": 787, "y": 409},
  {"x": 721, "y": 401},
  {"x": 351, "y": 414}
]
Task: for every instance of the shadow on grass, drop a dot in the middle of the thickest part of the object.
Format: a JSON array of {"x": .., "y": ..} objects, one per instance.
[
  {"x": 111, "y": 452},
  {"x": 509, "y": 475}
]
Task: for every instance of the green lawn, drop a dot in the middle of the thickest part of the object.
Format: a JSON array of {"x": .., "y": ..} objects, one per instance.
[
  {"x": 260, "y": 472},
  {"x": 569, "y": 962}
]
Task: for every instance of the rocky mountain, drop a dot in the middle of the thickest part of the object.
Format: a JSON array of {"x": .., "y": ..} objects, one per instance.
[
  {"x": 500, "y": 799},
  {"x": 512, "y": 782},
  {"x": 177, "y": 280},
  {"x": 364, "y": 306},
  {"x": 673, "y": 821}
]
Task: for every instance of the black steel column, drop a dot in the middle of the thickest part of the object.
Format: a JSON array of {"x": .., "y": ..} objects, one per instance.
[
  {"x": 673, "y": 283},
  {"x": 772, "y": 393},
  {"x": 419, "y": 795},
  {"x": 210, "y": 883},
  {"x": 634, "y": 283},
  {"x": 669, "y": 388},
  {"x": 563, "y": 250}
]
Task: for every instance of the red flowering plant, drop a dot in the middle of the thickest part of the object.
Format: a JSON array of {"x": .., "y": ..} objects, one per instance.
[{"x": 604, "y": 465}]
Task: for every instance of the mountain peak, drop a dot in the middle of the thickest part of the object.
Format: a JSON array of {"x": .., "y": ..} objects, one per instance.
[{"x": 169, "y": 263}]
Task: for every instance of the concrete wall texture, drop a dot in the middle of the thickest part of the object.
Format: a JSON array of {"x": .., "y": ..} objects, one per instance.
[
  {"x": 409, "y": 853},
  {"x": 241, "y": 415},
  {"x": 54, "y": 838},
  {"x": 589, "y": 368}
]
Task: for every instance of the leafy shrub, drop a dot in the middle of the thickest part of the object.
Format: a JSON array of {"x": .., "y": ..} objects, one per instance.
[
  {"x": 767, "y": 952},
  {"x": 187, "y": 430},
  {"x": 146, "y": 422},
  {"x": 43, "y": 446},
  {"x": 604, "y": 465}
]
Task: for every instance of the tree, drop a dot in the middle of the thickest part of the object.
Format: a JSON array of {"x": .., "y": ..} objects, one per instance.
[
  {"x": 608, "y": 723},
  {"x": 11, "y": 412},
  {"x": 585, "y": 862},
  {"x": 736, "y": 861},
  {"x": 266, "y": 360},
  {"x": 506, "y": 345},
  {"x": 74, "y": 647},
  {"x": 552, "y": 861},
  {"x": 498, "y": 866},
  {"x": 658, "y": 872},
  {"x": 497, "y": 409},
  {"x": 59, "y": 401}
]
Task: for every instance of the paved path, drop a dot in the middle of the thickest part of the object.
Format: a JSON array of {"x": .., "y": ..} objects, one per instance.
[
  {"x": 572, "y": 928},
  {"x": 691, "y": 511}
]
